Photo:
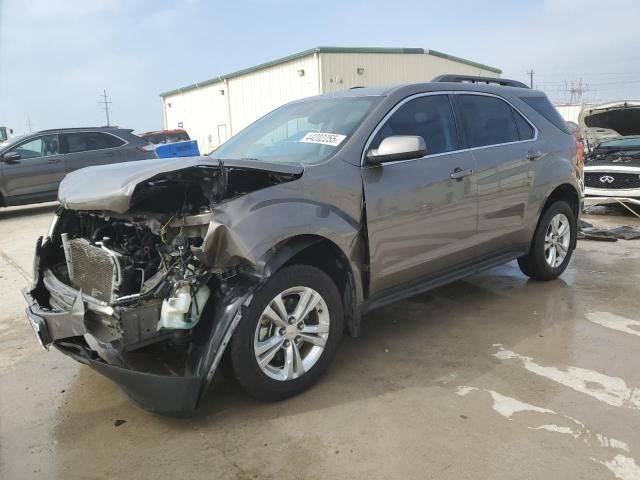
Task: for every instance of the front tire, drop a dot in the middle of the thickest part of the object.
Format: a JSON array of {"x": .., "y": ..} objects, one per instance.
[
  {"x": 288, "y": 334},
  {"x": 553, "y": 243}
]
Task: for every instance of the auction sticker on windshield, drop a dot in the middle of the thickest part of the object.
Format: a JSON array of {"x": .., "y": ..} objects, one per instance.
[{"x": 333, "y": 139}]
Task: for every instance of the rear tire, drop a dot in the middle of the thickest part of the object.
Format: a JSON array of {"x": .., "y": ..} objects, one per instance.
[
  {"x": 552, "y": 245},
  {"x": 276, "y": 354}
]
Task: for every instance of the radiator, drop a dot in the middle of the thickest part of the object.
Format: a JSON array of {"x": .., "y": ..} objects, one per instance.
[{"x": 93, "y": 269}]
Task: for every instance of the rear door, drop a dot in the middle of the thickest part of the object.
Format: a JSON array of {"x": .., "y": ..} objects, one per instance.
[
  {"x": 86, "y": 149},
  {"x": 38, "y": 172},
  {"x": 420, "y": 220},
  {"x": 505, "y": 145}
]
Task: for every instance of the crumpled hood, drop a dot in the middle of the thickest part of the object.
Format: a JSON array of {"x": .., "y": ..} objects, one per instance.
[{"x": 110, "y": 187}]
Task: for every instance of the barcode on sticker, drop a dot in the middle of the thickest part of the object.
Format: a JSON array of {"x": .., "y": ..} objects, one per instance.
[{"x": 333, "y": 139}]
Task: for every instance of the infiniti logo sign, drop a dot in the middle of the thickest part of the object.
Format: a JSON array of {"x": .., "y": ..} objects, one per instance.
[{"x": 606, "y": 179}]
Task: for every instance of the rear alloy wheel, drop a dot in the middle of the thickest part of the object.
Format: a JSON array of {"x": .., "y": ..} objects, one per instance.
[
  {"x": 288, "y": 334},
  {"x": 557, "y": 240},
  {"x": 552, "y": 245}
]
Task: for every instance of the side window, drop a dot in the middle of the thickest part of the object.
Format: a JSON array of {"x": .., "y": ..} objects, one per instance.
[
  {"x": 525, "y": 130},
  {"x": 487, "y": 120},
  {"x": 39, "y": 147},
  {"x": 85, "y": 141},
  {"x": 430, "y": 117}
]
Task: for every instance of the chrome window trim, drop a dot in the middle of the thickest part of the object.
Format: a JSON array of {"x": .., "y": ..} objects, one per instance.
[
  {"x": 447, "y": 92},
  {"x": 95, "y": 149}
]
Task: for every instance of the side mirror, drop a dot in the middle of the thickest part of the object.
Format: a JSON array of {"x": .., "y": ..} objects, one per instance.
[
  {"x": 397, "y": 147},
  {"x": 11, "y": 157}
]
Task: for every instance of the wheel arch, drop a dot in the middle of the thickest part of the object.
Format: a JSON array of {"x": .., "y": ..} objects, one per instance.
[
  {"x": 564, "y": 192},
  {"x": 322, "y": 253}
]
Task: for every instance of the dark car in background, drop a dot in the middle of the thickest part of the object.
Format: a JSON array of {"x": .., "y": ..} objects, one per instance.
[{"x": 32, "y": 166}]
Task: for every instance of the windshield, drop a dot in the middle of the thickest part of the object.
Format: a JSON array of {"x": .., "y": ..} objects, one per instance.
[
  {"x": 301, "y": 133},
  {"x": 622, "y": 143}
]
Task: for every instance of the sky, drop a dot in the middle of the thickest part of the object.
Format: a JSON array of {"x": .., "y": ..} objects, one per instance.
[{"x": 57, "y": 57}]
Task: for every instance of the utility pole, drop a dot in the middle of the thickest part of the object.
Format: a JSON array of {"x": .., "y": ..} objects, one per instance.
[
  {"x": 105, "y": 101},
  {"x": 531, "y": 73},
  {"x": 29, "y": 124}
]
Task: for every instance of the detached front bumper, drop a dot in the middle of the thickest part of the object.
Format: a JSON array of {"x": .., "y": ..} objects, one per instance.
[{"x": 165, "y": 394}]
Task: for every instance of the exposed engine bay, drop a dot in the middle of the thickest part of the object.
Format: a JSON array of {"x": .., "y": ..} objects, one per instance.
[
  {"x": 145, "y": 274},
  {"x": 126, "y": 263},
  {"x": 145, "y": 270}
]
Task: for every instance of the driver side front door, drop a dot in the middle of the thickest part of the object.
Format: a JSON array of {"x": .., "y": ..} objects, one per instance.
[
  {"x": 421, "y": 213},
  {"x": 36, "y": 174}
]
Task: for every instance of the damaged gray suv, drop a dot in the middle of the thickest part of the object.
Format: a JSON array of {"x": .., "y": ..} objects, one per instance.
[{"x": 261, "y": 256}]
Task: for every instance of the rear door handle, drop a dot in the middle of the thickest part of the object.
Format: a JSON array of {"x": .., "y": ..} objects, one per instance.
[
  {"x": 532, "y": 155},
  {"x": 53, "y": 160},
  {"x": 459, "y": 174}
]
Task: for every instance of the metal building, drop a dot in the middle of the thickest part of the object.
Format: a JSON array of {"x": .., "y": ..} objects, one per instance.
[{"x": 213, "y": 110}]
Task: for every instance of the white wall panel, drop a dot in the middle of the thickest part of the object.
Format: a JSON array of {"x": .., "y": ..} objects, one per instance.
[
  {"x": 257, "y": 93},
  {"x": 203, "y": 113}
]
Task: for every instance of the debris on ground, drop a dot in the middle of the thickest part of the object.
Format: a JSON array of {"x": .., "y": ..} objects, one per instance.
[
  {"x": 586, "y": 231},
  {"x": 119, "y": 422}
]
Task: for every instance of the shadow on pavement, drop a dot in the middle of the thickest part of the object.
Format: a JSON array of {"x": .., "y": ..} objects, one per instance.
[{"x": 22, "y": 211}]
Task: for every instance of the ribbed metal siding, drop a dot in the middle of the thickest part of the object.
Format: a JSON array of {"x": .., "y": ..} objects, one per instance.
[{"x": 340, "y": 70}]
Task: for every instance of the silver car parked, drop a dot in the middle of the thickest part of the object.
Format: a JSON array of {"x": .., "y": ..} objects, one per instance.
[
  {"x": 262, "y": 255},
  {"x": 32, "y": 166}
]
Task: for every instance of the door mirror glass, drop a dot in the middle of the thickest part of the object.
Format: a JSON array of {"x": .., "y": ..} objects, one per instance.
[
  {"x": 11, "y": 157},
  {"x": 397, "y": 147}
]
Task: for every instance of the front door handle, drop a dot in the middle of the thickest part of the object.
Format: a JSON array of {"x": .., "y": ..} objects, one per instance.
[
  {"x": 532, "y": 154},
  {"x": 53, "y": 160},
  {"x": 459, "y": 174}
]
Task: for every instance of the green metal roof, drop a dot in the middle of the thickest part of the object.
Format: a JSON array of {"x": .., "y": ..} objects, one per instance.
[
  {"x": 311, "y": 51},
  {"x": 436, "y": 53}
]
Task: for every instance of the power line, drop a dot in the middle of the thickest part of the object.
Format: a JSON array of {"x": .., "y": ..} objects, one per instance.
[{"x": 106, "y": 102}]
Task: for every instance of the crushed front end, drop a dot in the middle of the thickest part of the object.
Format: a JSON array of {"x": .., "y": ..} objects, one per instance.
[{"x": 149, "y": 300}]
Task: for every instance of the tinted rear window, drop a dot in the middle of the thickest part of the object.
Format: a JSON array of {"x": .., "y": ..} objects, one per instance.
[
  {"x": 543, "y": 106},
  {"x": 487, "y": 120},
  {"x": 85, "y": 141}
]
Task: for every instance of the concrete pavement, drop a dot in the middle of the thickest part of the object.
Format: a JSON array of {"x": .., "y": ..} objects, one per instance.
[{"x": 491, "y": 377}]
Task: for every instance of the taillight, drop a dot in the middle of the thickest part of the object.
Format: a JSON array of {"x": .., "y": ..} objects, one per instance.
[{"x": 580, "y": 152}]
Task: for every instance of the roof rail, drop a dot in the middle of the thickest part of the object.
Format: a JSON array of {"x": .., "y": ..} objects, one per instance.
[
  {"x": 505, "y": 82},
  {"x": 72, "y": 129}
]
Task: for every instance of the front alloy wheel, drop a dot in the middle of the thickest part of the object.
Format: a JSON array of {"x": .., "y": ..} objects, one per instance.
[
  {"x": 288, "y": 334},
  {"x": 292, "y": 333}
]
